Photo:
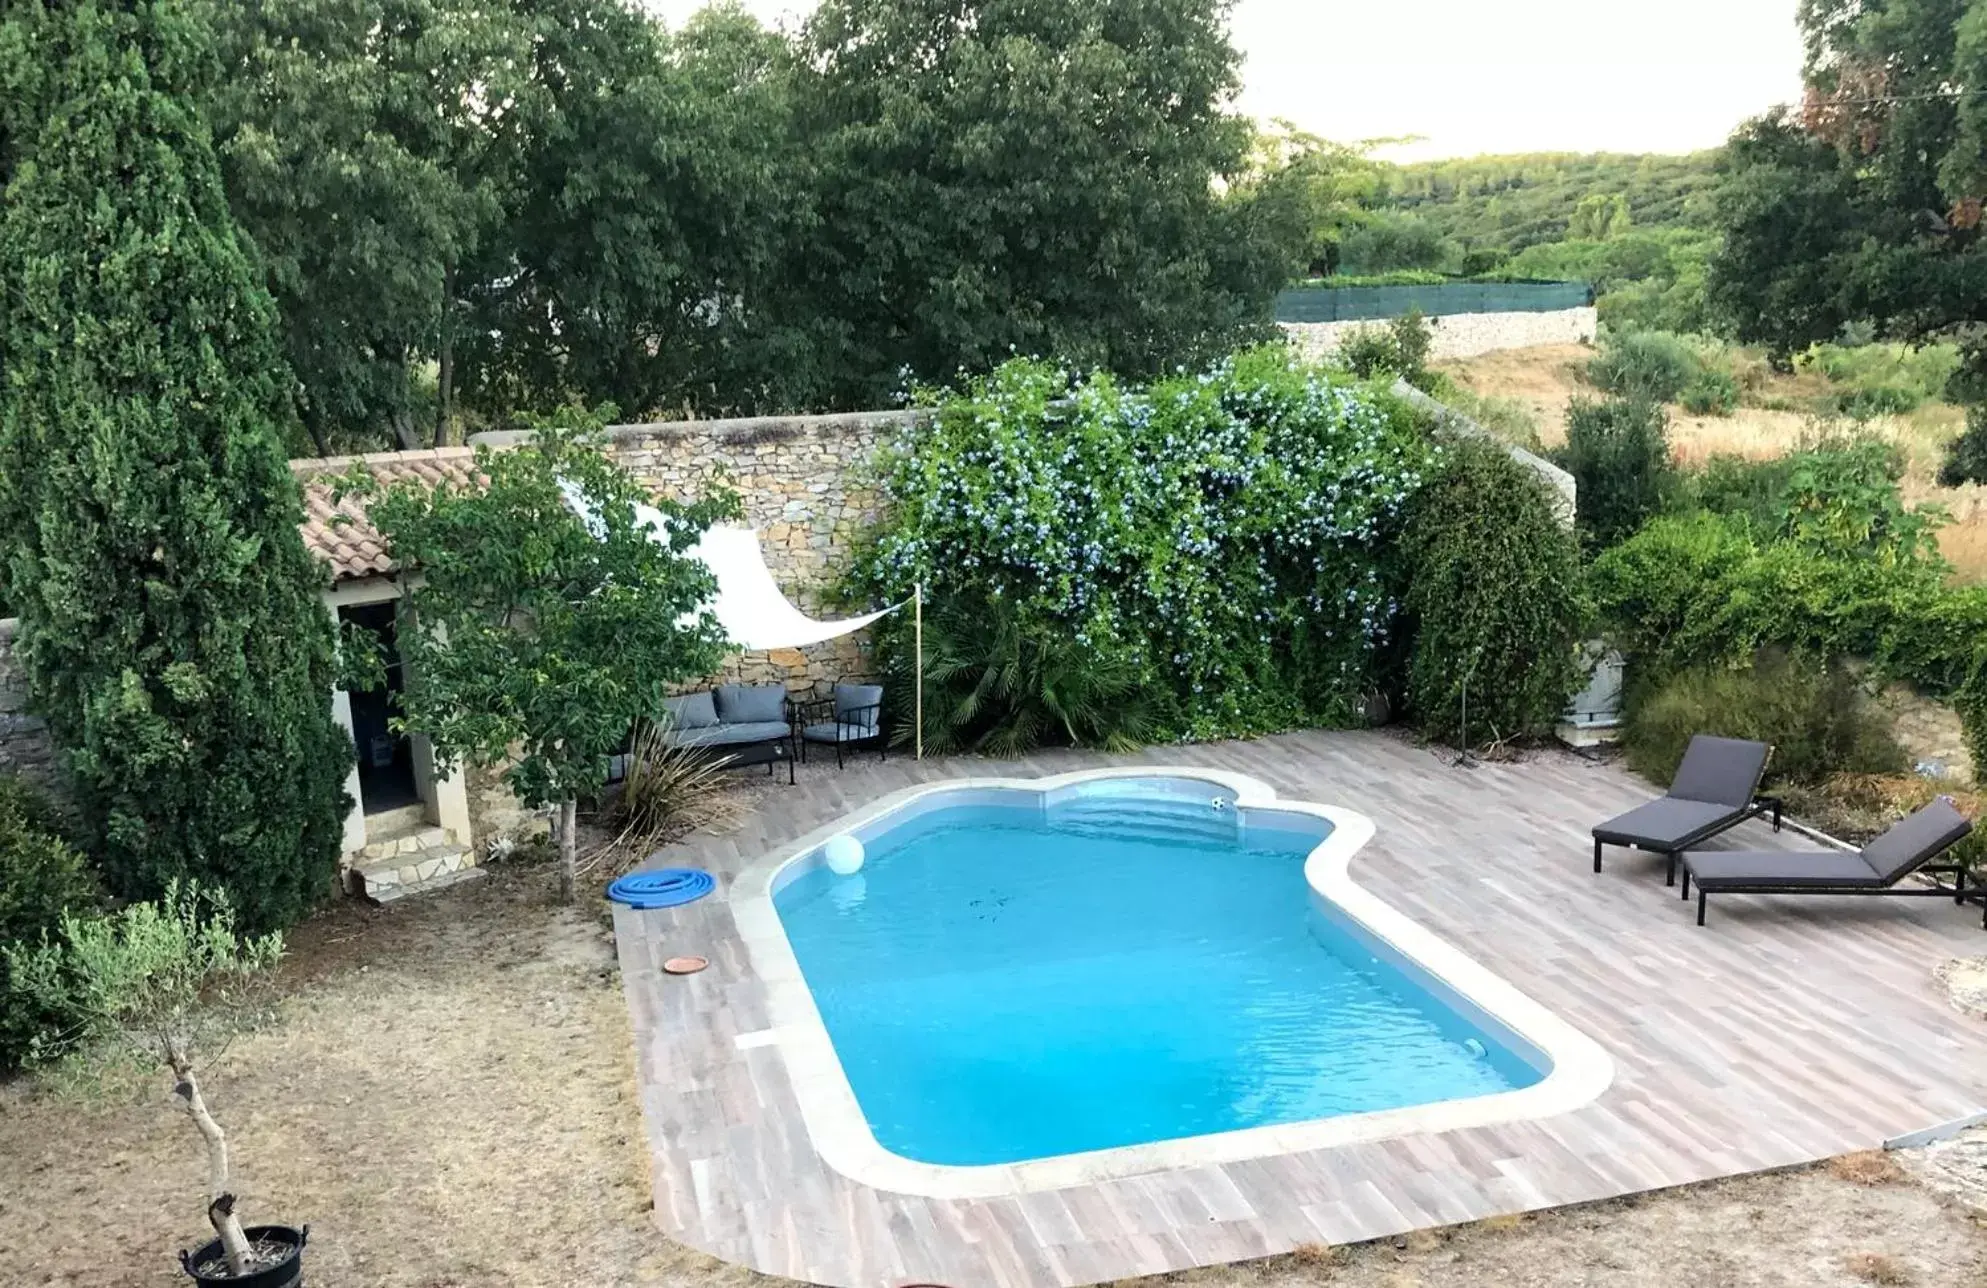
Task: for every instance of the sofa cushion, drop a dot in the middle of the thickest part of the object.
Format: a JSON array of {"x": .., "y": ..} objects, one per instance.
[
  {"x": 729, "y": 735},
  {"x": 838, "y": 731},
  {"x": 860, "y": 704},
  {"x": 752, "y": 703},
  {"x": 691, "y": 711}
]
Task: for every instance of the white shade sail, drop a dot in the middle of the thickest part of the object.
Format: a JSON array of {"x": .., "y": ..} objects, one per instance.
[{"x": 749, "y": 606}]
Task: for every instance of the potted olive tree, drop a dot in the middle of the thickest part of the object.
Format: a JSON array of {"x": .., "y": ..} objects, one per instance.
[{"x": 173, "y": 982}]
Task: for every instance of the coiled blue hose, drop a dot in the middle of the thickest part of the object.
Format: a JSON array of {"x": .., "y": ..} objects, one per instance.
[{"x": 662, "y": 888}]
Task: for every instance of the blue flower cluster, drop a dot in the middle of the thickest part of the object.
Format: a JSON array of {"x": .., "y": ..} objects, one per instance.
[{"x": 1231, "y": 530}]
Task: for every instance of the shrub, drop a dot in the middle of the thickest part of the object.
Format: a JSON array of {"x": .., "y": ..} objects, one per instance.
[
  {"x": 1842, "y": 498},
  {"x": 1711, "y": 392},
  {"x": 1880, "y": 378},
  {"x": 1495, "y": 598},
  {"x": 1966, "y": 456},
  {"x": 1696, "y": 590},
  {"x": 1227, "y": 537},
  {"x": 1399, "y": 348},
  {"x": 1816, "y": 717},
  {"x": 668, "y": 791},
  {"x": 1878, "y": 400},
  {"x": 1651, "y": 365},
  {"x": 1738, "y": 487},
  {"x": 42, "y": 878},
  {"x": 1618, "y": 452}
]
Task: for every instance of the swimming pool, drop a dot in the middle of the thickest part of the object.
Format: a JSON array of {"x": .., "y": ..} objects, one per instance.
[{"x": 1034, "y": 982}]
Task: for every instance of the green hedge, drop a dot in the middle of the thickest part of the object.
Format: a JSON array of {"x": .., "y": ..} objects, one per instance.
[{"x": 1224, "y": 553}]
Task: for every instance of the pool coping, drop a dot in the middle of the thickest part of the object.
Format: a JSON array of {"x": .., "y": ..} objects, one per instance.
[{"x": 1581, "y": 1070}]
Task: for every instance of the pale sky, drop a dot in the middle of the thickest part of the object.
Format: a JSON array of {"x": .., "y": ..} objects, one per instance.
[{"x": 1474, "y": 76}]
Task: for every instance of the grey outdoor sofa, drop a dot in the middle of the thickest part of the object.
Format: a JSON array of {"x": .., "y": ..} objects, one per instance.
[
  {"x": 1877, "y": 869},
  {"x": 1716, "y": 787},
  {"x": 747, "y": 723}
]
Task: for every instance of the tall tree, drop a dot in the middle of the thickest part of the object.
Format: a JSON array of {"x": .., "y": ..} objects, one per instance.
[
  {"x": 1865, "y": 204},
  {"x": 470, "y": 207},
  {"x": 366, "y": 147},
  {"x": 171, "y": 630},
  {"x": 1034, "y": 174},
  {"x": 647, "y": 215}
]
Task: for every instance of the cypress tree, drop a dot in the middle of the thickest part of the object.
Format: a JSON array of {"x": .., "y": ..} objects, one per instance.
[{"x": 170, "y": 626}]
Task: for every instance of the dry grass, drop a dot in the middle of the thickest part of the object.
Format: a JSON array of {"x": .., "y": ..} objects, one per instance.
[
  {"x": 1545, "y": 378},
  {"x": 448, "y": 1100},
  {"x": 1876, "y": 1268},
  {"x": 1870, "y": 1167}
]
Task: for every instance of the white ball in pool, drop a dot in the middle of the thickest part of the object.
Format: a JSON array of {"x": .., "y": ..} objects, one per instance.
[{"x": 844, "y": 855}]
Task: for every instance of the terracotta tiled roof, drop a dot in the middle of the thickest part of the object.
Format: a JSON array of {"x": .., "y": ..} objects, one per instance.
[{"x": 354, "y": 549}]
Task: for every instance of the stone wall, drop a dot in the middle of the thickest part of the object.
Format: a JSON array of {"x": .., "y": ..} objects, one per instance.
[
  {"x": 1462, "y": 335},
  {"x": 495, "y": 813},
  {"x": 808, "y": 484},
  {"x": 24, "y": 743}
]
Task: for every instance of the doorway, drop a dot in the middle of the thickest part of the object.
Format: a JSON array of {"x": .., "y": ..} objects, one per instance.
[{"x": 386, "y": 759}]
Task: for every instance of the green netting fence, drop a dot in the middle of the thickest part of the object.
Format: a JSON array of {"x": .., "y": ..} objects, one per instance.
[{"x": 1366, "y": 303}]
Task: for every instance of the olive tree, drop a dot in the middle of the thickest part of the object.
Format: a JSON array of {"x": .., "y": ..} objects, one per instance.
[{"x": 173, "y": 982}]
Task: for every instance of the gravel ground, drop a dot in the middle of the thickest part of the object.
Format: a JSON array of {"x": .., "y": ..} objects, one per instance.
[{"x": 447, "y": 1097}]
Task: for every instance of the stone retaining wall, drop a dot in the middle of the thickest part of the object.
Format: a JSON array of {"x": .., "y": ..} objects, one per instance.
[
  {"x": 1462, "y": 335},
  {"x": 24, "y": 743}
]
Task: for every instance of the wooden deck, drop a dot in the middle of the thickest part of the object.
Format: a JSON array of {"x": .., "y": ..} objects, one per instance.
[{"x": 1786, "y": 1031}]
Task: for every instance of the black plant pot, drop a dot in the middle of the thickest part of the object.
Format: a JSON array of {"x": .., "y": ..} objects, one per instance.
[{"x": 287, "y": 1273}]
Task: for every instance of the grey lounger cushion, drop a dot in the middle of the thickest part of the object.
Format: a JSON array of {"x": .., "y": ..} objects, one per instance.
[
  {"x": 1909, "y": 844},
  {"x": 1668, "y": 823},
  {"x": 691, "y": 711},
  {"x": 1915, "y": 840},
  {"x": 1723, "y": 771},
  {"x": 729, "y": 735},
  {"x": 1712, "y": 790},
  {"x": 752, "y": 703},
  {"x": 1819, "y": 869}
]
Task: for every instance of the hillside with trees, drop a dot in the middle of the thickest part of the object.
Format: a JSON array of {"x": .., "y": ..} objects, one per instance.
[{"x": 1509, "y": 203}]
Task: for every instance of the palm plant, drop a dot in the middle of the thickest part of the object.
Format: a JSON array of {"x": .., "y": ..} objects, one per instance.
[{"x": 999, "y": 681}]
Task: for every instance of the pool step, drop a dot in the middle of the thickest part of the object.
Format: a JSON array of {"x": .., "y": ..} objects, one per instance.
[{"x": 1177, "y": 822}]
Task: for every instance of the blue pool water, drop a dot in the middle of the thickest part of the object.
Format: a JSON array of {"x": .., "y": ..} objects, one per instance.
[{"x": 1005, "y": 983}]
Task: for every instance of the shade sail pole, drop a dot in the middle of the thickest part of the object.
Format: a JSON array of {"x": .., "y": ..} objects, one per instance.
[{"x": 918, "y": 638}]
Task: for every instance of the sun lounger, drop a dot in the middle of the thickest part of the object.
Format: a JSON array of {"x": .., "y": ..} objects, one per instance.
[
  {"x": 1716, "y": 787},
  {"x": 1878, "y": 868}
]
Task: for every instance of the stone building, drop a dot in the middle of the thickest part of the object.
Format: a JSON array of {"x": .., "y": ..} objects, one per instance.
[{"x": 807, "y": 486}]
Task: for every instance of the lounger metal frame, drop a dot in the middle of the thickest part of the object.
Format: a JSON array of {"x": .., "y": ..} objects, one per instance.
[
  {"x": 1762, "y": 806},
  {"x": 1958, "y": 892}
]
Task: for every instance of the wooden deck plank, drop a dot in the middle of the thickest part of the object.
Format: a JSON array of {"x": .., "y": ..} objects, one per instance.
[{"x": 1785, "y": 1031}]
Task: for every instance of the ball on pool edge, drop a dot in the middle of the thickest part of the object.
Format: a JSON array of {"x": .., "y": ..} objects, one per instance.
[{"x": 844, "y": 855}]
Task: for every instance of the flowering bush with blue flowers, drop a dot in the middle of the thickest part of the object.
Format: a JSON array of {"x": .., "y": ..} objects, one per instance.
[{"x": 1224, "y": 544}]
